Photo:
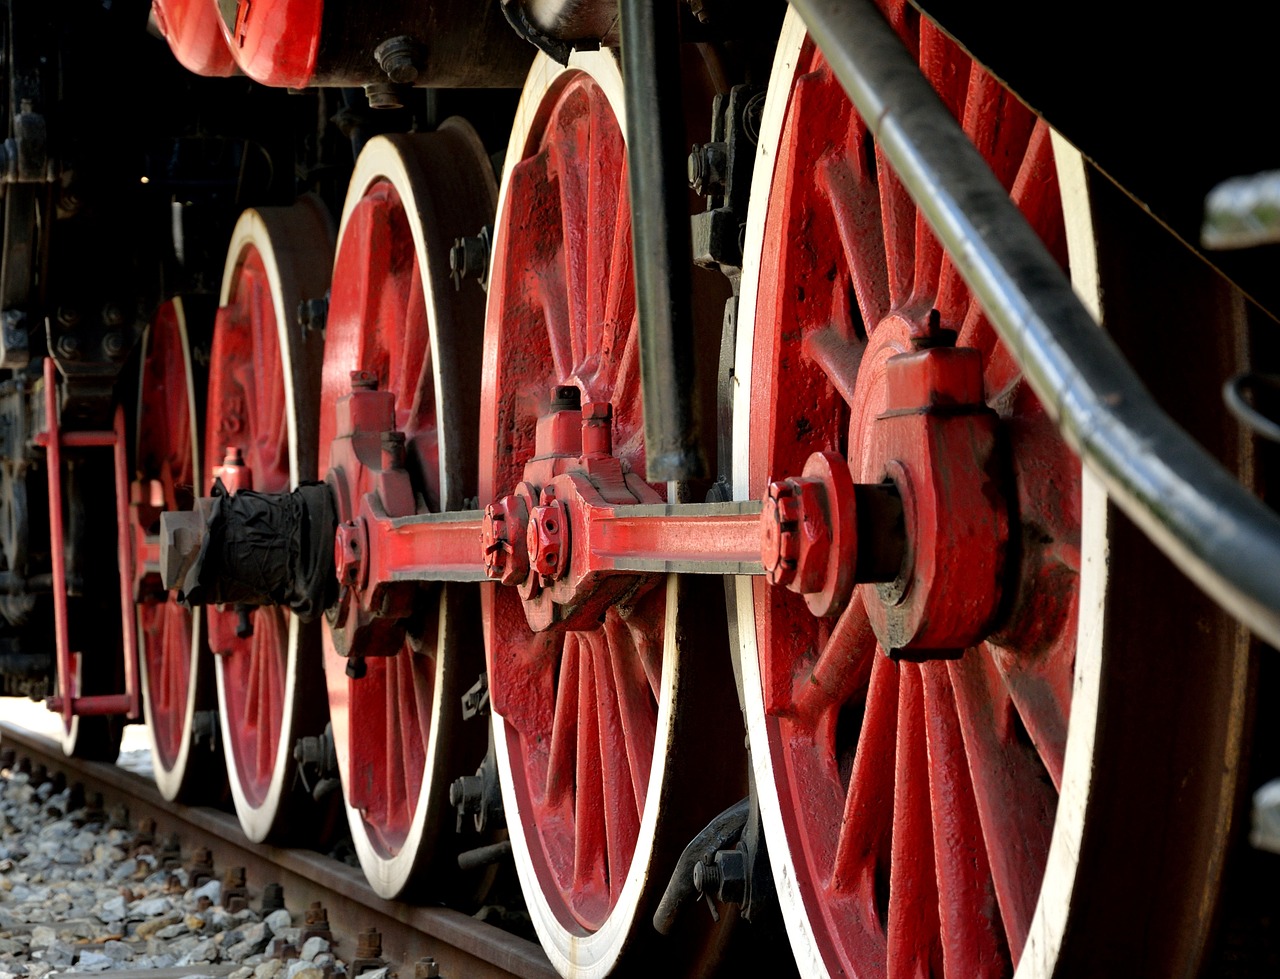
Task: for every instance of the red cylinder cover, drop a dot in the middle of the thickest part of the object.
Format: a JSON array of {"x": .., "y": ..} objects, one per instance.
[{"x": 195, "y": 34}]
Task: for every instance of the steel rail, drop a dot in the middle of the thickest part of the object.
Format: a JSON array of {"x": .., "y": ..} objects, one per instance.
[
  {"x": 460, "y": 944},
  {"x": 1219, "y": 535}
]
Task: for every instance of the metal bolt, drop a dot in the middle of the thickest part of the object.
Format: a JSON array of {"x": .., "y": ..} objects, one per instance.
[
  {"x": 597, "y": 429},
  {"x": 566, "y": 397},
  {"x": 469, "y": 258},
  {"x": 272, "y": 897},
  {"x": 546, "y": 540},
  {"x": 316, "y": 915},
  {"x": 466, "y": 794},
  {"x": 779, "y": 547},
  {"x": 204, "y": 728},
  {"x": 68, "y": 316},
  {"x": 426, "y": 969},
  {"x": 369, "y": 944},
  {"x": 113, "y": 345},
  {"x": 502, "y": 534},
  {"x": 384, "y": 95},
  {"x": 313, "y": 314},
  {"x": 68, "y": 346},
  {"x": 726, "y": 878},
  {"x": 399, "y": 58},
  {"x": 347, "y": 553},
  {"x": 112, "y": 315},
  {"x": 308, "y": 751},
  {"x": 364, "y": 381},
  {"x": 708, "y": 167},
  {"x": 934, "y": 335},
  {"x": 244, "y": 622}
]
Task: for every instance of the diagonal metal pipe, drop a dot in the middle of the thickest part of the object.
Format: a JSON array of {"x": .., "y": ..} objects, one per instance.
[{"x": 1221, "y": 536}]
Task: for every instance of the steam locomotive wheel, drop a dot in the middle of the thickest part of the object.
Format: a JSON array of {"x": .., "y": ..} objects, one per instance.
[
  {"x": 262, "y": 396},
  {"x": 583, "y": 719},
  {"x": 398, "y": 728},
  {"x": 177, "y": 678},
  {"x": 947, "y": 816}
]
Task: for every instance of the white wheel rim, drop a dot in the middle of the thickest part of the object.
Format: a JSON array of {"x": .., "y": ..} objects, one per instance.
[
  {"x": 572, "y": 950},
  {"x": 386, "y": 159},
  {"x": 259, "y": 821},
  {"x": 169, "y": 780}
]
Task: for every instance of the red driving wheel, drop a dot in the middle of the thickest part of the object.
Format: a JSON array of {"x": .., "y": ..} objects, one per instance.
[
  {"x": 917, "y": 803},
  {"x": 583, "y": 719},
  {"x": 262, "y": 389},
  {"x": 395, "y": 315},
  {"x": 177, "y": 678}
]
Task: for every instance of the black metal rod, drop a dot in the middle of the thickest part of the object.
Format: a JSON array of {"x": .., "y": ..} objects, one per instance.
[
  {"x": 656, "y": 153},
  {"x": 1221, "y": 537}
]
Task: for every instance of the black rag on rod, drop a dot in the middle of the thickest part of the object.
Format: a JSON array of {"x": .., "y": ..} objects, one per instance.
[
  {"x": 1210, "y": 526},
  {"x": 266, "y": 549},
  {"x": 656, "y": 153}
]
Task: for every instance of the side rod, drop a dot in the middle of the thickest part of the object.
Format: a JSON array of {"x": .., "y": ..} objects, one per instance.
[{"x": 1210, "y": 526}]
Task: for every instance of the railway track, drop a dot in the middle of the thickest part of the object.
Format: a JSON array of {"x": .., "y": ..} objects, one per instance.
[{"x": 459, "y": 944}]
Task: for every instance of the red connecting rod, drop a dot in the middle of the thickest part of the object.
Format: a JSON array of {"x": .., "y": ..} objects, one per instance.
[{"x": 581, "y": 530}]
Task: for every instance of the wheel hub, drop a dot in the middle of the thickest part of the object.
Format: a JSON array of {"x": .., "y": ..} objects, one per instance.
[
  {"x": 933, "y": 448},
  {"x": 572, "y": 480}
]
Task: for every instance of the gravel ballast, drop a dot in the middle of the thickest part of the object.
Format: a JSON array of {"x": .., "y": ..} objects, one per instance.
[{"x": 79, "y": 894}]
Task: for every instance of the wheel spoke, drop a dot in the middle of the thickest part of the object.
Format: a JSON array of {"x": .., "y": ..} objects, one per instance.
[
  {"x": 601, "y": 245},
  {"x": 898, "y": 220},
  {"x": 913, "y": 944},
  {"x": 866, "y": 821},
  {"x": 621, "y": 811},
  {"x": 392, "y": 761},
  {"x": 1040, "y": 689},
  {"x": 972, "y": 938},
  {"x": 620, "y": 304},
  {"x": 837, "y": 354},
  {"x": 564, "y": 730},
  {"x": 997, "y": 124},
  {"x": 588, "y": 813},
  {"x": 1016, "y": 800},
  {"x": 575, "y": 224},
  {"x": 636, "y": 702},
  {"x": 855, "y": 206},
  {"x": 843, "y": 668}
]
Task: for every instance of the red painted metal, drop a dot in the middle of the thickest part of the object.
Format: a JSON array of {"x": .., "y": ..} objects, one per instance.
[
  {"x": 809, "y": 533},
  {"x": 275, "y": 42},
  {"x": 917, "y": 798},
  {"x": 936, "y": 441},
  {"x": 233, "y": 472},
  {"x": 165, "y": 481},
  {"x": 68, "y": 701},
  {"x": 196, "y": 35},
  {"x": 578, "y": 708},
  {"x": 246, "y": 419},
  {"x": 67, "y": 686},
  {"x": 377, "y": 355}
]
